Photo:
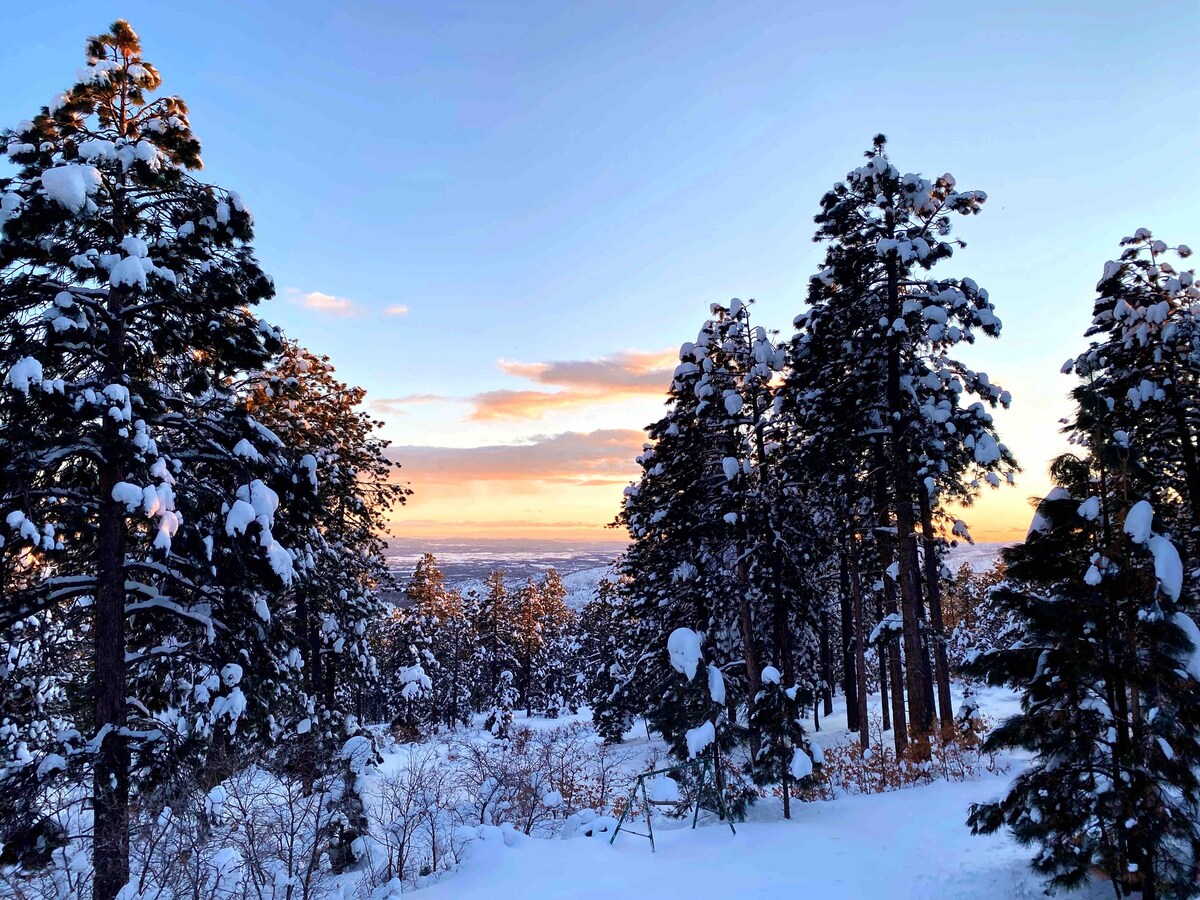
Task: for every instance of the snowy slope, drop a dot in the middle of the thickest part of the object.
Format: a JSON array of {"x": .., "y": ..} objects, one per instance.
[{"x": 909, "y": 843}]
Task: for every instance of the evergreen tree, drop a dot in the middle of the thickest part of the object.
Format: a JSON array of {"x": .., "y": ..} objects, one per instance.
[
  {"x": 602, "y": 653},
  {"x": 130, "y": 473},
  {"x": 871, "y": 358},
  {"x": 785, "y": 755},
  {"x": 1144, "y": 360},
  {"x": 1110, "y": 682},
  {"x": 495, "y": 652},
  {"x": 677, "y": 569},
  {"x": 556, "y": 688},
  {"x": 403, "y": 647},
  {"x": 528, "y": 640},
  {"x": 342, "y": 459}
]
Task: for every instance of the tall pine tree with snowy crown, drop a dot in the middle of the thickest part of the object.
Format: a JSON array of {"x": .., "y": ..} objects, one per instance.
[
  {"x": 879, "y": 333},
  {"x": 1106, "y": 656},
  {"x": 139, "y": 498}
]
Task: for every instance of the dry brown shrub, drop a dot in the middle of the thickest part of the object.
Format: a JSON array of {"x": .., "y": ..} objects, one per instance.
[{"x": 955, "y": 754}]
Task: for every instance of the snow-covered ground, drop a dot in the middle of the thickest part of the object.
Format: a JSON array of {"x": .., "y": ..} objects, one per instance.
[{"x": 907, "y": 843}]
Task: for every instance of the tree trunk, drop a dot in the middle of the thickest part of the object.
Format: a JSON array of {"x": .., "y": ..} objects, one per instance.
[
  {"x": 860, "y": 643},
  {"x": 933, "y": 591},
  {"x": 110, "y": 787},
  {"x": 826, "y": 664},
  {"x": 849, "y": 675},
  {"x": 902, "y": 483},
  {"x": 783, "y": 648},
  {"x": 885, "y": 716},
  {"x": 110, "y": 773},
  {"x": 753, "y": 669},
  {"x": 891, "y": 649}
]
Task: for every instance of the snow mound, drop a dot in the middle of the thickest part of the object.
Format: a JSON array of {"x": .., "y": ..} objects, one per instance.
[
  {"x": 802, "y": 764},
  {"x": 683, "y": 646},
  {"x": 1168, "y": 567},
  {"x": 70, "y": 186},
  {"x": 1138, "y": 522},
  {"x": 699, "y": 738}
]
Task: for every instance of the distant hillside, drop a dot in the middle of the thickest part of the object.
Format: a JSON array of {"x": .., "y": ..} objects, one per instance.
[
  {"x": 582, "y": 565},
  {"x": 980, "y": 556},
  {"x": 467, "y": 563}
]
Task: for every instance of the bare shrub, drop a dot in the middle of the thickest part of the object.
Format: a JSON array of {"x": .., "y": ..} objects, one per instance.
[
  {"x": 956, "y": 754},
  {"x": 417, "y": 819},
  {"x": 536, "y": 778}
]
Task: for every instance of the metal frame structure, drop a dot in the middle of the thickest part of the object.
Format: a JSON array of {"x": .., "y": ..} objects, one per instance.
[{"x": 707, "y": 777}]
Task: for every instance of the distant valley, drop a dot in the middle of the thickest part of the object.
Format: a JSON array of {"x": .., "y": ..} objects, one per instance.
[{"x": 581, "y": 564}]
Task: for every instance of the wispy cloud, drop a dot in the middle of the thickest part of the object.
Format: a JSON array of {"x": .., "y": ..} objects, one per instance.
[
  {"x": 325, "y": 303},
  {"x": 334, "y": 305},
  {"x": 397, "y": 406},
  {"x": 638, "y": 370},
  {"x": 583, "y": 382}
]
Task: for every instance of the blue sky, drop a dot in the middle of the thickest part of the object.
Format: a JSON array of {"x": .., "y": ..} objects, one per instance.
[{"x": 544, "y": 182}]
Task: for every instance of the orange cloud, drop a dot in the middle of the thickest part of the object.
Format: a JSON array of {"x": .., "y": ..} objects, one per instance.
[
  {"x": 395, "y": 406},
  {"x": 529, "y": 404},
  {"x": 640, "y": 370},
  {"x": 586, "y": 382},
  {"x": 396, "y": 309}
]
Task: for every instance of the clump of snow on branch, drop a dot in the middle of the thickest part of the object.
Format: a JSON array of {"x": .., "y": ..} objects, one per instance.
[{"x": 683, "y": 647}]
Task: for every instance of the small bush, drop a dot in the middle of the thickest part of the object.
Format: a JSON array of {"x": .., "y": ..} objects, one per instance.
[{"x": 956, "y": 754}]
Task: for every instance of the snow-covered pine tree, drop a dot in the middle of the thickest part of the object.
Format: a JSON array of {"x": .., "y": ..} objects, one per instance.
[
  {"x": 402, "y": 643},
  {"x": 879, "y": 327},
  {"x": 555, "y": 687},
  {"x": 495, "y": 653},
  {"x": 426, "y": 590},
  {"x": 1109, "y": 671},
  {"x": 528, "y": 640},
  {"x": 343, "y": 461},
  {"x": 133, "y": 484},
  {"x": 785, "y": 755},
  {"x": 602, "y": 651},
  {"x": 974, "y": 622},
  {"x": 1144, "y": 359},
  {"x": 349, "y": 491},
  {"x": 835, "y": 478},
  {"x": 436, "y": 630},
  {"x": 676, "y": 571}
]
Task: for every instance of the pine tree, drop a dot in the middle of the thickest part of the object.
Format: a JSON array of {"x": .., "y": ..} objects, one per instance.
[
  {"x": 602, "y": 655},
  {"x": 528, "y": 640},
  {"x": 494, "y": 620},
  {"x": 341, "y": 458},
  {"x": 556, "y": 687},
  {"x": 1110, "y": 678},
  {"x": 1108, "y": 661},
  {"x": 403, "y": 644},
  {"x": 130, "y": 473},
  {"x": 426, "y": 590},
  {"x": 871, "y": 359},
  {"x": 1144, "y": 360},
  {"x": 785, "y": 755},
  {"x": 676, "y": 571}
]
